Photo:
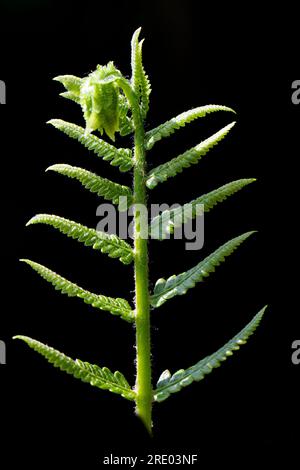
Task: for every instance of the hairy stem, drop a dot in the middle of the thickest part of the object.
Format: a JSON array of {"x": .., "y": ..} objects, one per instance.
[
  {"x": 143, "y": 360},
  {"x": 143, "y": 349},
  {"x": 143, "y": 385}
]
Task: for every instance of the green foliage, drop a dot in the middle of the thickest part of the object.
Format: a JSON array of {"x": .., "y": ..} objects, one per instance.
[
  {"x": 140, "y": 81},
  {"x": 165, "y": 223},
  {"x": 99, "y": 99},
  {"x": 168, "y": 383},
  {"x": 72, "y": 85},
  {"x": 117, "y": 157},
  {"x": 70, "y": 82},
  {"x": 111, "y": 103},
  {"x": 96, "y": 184},
  {"x": 115, "y": 306},
  {"x": 162, "y": 172},
  {"x": 92, "y": 374},
  {"x": 112, "y": 245},
  {"x": 169, "y": 127},
  {"x": 180, "y": 284}
]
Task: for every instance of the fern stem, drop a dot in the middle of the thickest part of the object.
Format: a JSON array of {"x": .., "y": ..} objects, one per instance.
[{"x": 143, "y": 386}]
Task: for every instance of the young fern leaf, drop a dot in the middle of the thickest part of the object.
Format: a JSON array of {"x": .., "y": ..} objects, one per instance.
[
  {"x": 168, "y": 384},
  {"x": 115, "y": 306},
  {"x": 73, "y": 87},
  {"x": 117, "y": 157},
  {"x": 140, "y": 81},
  {"x": 112, "y": 103},
  {"x": 112, "y": 245},
  {"x": 169, "y": 127},
  {"x": 96, "y": 184},
  {"x": 165, "y": 223},
  {"x": 180, "y": 284},
  {"x": 98, "y": 377},
  {"x": 162, "y": 172}
]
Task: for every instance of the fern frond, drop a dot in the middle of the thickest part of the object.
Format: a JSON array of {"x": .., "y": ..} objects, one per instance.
[
  {"x": 181, "y": 283},
  {"x": 112, "y": 245},
  {"x": 115, "y": 306},
  {"x": 162, "y": 172},
  {"x": 140, "y": 81},
  {"x": 164, "y": 224},
  {"x": 98, "y": 377},
  {"x": 117, "y": 157},
  {"x": 169, "y": 127},
  {"x": 168, "y": 383},
  {"x": 96, "y": 184}
]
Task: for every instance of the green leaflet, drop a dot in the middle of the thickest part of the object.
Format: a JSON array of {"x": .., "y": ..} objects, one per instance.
[
  {"x": 98, "y": 377},
  {"x": 145, "y": 84},
  {"x": 96, "y": 184},
  {"x": 164, "y": 224},
  {"x": 162, "y": 172},
  {"x": 117, "y": 157},
  {"x": 115, "y": 306},
  {"x": 169, "y": 127},
  {"x": 112, "y": 245},
  {"x": 70, "y": 96},
  {"x": 135, "y": 77},
  {"x": 139, "y": 81},
  {"x": 168, "y": 384},
  {"x": 72, "y": 85},
  {"x": 70, "y": 82},
  {"x": 180, "y": 284}
]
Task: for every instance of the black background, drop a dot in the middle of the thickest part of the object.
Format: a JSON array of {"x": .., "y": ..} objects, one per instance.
[{"x": 194, "y": 55}]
